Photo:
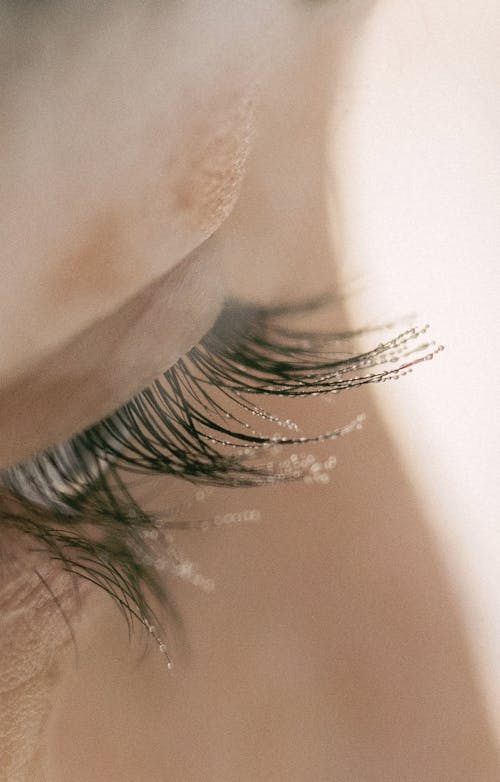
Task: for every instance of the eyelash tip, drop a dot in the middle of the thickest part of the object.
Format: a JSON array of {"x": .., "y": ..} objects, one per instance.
[{"x": 181, "y": 426}]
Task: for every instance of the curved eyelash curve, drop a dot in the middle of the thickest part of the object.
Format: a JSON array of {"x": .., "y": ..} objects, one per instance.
[{"x": 197, "y": 421}]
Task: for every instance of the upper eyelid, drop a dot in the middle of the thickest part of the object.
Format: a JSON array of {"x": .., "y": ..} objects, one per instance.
[
  {"x": 110, "y": 555},
  {"x": 109, "y": 362},
  {"x": 78, "y": 464}
]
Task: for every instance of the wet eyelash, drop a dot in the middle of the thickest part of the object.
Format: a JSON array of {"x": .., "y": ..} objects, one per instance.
[{"x": 197, "y": 422}]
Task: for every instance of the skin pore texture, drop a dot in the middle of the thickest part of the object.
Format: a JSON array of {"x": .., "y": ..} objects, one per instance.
[{"x": 334, "y": 668}]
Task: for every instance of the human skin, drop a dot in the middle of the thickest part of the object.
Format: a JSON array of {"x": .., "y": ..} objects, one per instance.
[
  {"x": 149, "y": 188},
  {"x": 109, "y": 302},
  {"x": 351, "y": 699}
]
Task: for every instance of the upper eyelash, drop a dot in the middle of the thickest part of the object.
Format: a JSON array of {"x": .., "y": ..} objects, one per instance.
[
  {"x": 180, "y": 426},
  {"x": 177, "y": 424}
]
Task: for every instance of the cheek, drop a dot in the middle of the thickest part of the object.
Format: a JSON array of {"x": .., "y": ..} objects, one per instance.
[{"x": 34, "y": 630}]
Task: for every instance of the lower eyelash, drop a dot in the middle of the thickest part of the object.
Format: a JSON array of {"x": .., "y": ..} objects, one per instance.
[{"x": 191, "y": 423}]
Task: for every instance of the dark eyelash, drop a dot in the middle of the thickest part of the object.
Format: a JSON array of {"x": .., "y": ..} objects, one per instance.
[{"x": 193, "y": 423}]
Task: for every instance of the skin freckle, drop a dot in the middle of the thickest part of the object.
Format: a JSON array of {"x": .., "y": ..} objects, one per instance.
[
  {"x": 209, "y": 186},
  {"x": 199, "y": 186}
]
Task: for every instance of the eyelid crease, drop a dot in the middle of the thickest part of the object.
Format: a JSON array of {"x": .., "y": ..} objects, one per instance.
[{"x": 93, "y": 374}]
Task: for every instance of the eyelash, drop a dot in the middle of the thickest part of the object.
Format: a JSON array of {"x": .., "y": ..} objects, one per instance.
[{"x": 190, "y": 423}]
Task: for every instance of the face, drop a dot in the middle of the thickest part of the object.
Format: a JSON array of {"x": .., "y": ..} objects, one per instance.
[
  {"x": 127, "y": 137},
  {"x": 146, "y": 179},
  {"x": 110, "y": 192},
  {"x": 164, "y": 186}
]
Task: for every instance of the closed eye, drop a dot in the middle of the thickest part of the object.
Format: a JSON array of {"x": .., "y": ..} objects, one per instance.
[{"x": 203, "y": 421}]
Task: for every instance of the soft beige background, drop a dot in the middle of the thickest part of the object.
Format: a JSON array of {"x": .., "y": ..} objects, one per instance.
[{"x": 418, "y": 142}]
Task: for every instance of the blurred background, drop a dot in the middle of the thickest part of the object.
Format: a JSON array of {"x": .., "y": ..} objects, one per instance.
[{"x": 417, "y": 154}]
